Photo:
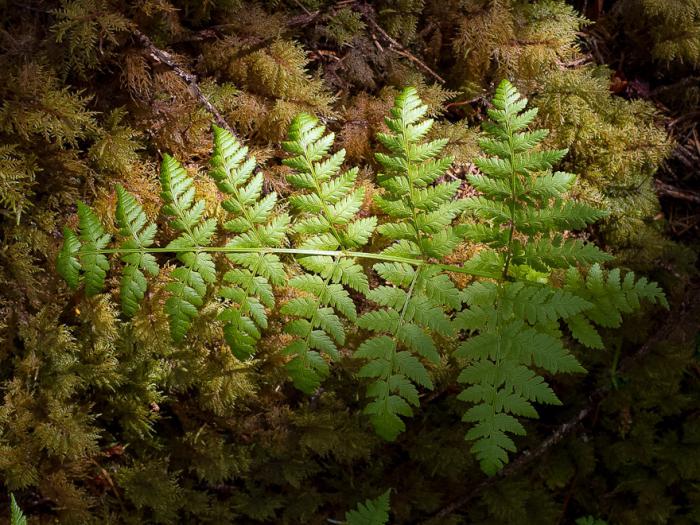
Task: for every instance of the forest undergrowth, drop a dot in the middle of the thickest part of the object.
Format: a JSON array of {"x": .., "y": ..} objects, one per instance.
[{"x": 318, "y": 262}]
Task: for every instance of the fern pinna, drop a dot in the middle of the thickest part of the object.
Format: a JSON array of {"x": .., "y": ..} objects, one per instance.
[
  {"x": 326, "y": 204},
  {"x": 512, "y": 322},
  {"x": 533, "y": 283},
  {"x": 255, "y": 225},
  {"x": 417, "y": 300}
]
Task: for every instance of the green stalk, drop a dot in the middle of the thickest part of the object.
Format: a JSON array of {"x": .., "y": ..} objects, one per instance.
[{"x": 296, "y": 251}]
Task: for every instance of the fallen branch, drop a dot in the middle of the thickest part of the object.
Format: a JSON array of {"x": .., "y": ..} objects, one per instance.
[
  {"x": 367, "y": 12},
  {"x": 689, "y": 314},
  {"x": 671, "y": 191},
  {"x": 165, "y": 58}
]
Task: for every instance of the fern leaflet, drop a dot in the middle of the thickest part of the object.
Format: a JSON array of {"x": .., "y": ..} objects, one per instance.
[
  {"x": 371, "y": 512},
  {"x": 415, "y": 301},
  {"x": 138, "y": 236},
  {"x": 325, "y": 206},
  {"x": 254, "y": 225},
  {"x": 189, "y": 281},
  {"x": 17, "y": 517}
]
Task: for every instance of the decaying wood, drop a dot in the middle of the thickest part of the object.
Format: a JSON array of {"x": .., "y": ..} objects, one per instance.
[
  {"x": 165, "y": 58},
  {"x": 667, "y": 190}
]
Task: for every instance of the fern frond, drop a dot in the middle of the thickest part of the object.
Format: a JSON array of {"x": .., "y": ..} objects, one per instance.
[
  {"x": 138, "y": 236},
  {"x": 513, "y": 324},
  {"x": 67, "y": 263},
  {"x": 508, "y": 318},
  {"x": 371, "y": 512},
  {"x": 91, "y": 239},
  {"x": 420, "y": 215},
  {"x": 17, "y": 517},
  {"x": 255, "y": 225},
  {"x": 510, "y": 332},
  {"x": 189, "y": 282},
  {"x": 326, "y": 205},
  {"x": 611, "y": 296}
]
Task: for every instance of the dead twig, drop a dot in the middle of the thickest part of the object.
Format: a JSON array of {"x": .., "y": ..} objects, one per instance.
[
  {"x": 481, "y": 99},
  {"x": 392, "y": 44},
  {"x": 165, "y": 58},
  {"x": 671, "y": 191}
]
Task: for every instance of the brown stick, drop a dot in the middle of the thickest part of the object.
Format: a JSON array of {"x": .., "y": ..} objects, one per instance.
[
  {"x": 689, "y": 314},
  {"x": 670, "y": 191},
  {"x": 163, "y": 57},
  {"x": 368, "y": 14}
]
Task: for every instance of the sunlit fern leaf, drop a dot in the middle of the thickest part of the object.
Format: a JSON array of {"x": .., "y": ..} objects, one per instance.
[
  {"x": 93, "y": 238},
  {"x": 137, "y": 236},
  {"x": 510, "y": 335},
  {"x": 512, "y": 324},
  {"x": 17, "y": 517},
  {"x": 326, "y": 204},
  {"x": 67, "y": 263},
  {"x": 255, "y": 225},
  {"x": 189, "y": 282},
  {"x": 420, "y": 212}
]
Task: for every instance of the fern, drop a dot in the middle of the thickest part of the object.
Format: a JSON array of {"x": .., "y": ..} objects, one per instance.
[
  {"x": 189, "y": 282},
  {"x": 81, "y": 253},
  {"x": 255, "y": 226},
  {"x": 325, "y": 205},
  {"x": 513, "y": 322},
  {"x": 415, "y": 300},
  {"x": 138, "y": 237},
  {"x": 610, "y": 297},
  {"x": 371, "y": 512},
  {"x": 17, "y": 517},
  {"x": 590, "y": 520},
  {"x": 531, "y": 278}
]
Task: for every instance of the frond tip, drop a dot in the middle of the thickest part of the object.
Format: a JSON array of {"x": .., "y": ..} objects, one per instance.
[{"x": 371, "y": 512}]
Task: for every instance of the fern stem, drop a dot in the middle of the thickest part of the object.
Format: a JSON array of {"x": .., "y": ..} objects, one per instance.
[
  {"x": 409, "y": 294},
  {"x": 303, "y": 252},
  {"x": 511, "y": 151}
]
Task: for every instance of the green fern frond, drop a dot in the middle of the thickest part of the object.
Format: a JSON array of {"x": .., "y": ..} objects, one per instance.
[
  {"x": 326, "y": 206},
  {"x": 138, "y": 236},
  {"x": 255, "y": 225},
  {"x": 93, "y": 238},
  {"x": 17, "y": 517},
  {"x": 523, "y": 201},
  {"x": 509, "y": 335},
  {"x": 419, "y": 225},
  {"x": 371, "y": 512},
  {"x": 610, "y": 297},
  {"x": 513, "y": 323},
  {"x": 189, "y": 282},
  {"x": 67, "y": 263},
  {"x": 81, "y": 253}
]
